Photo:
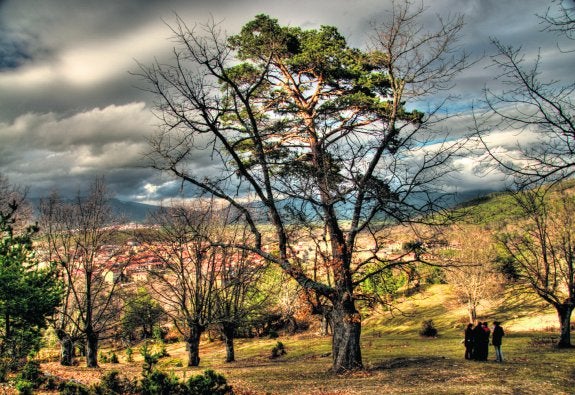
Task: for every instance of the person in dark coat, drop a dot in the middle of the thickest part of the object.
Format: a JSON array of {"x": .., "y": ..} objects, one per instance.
[
  {"x": 485, "y": 341},
  {"x": 468, "y": 341},
  {"x": 496, "y": 340},
  {"x": 477, "y": 338}
]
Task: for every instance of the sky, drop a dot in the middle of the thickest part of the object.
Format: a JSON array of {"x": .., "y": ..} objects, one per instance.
[{"x": 70, "y": 109}]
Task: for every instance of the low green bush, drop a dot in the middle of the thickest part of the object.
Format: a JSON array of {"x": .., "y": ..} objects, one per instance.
[{"x": 428, "y": 329}]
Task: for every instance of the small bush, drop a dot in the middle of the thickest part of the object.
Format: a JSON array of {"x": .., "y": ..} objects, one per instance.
[
  {"x": 159, "y": 383},
  {"x": 129, "y": 354},
  {"x": 159, "y": 333},
  {"x": 103, "y": 357},
  {"x": 51, "y": 383},
  {"x": 210, "y": 383},
  {"x": 114, "y": 358},
  {"x": 24, "y": 387},
  {"x": 112, "y": 384},
  {"x": 278, "y": 350},
  {"x": 428, "y": 329},
  {"x": 31, "y": 373},
  {"x": 110, "y": 357},
  {"x": 150, "y": 359},
  {"x": 74, "y": 388}
]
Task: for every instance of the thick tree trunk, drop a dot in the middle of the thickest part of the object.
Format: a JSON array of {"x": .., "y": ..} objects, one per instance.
[
  {"x": 346, "y": 348},
  {"x": 92, "y": 350},
  {"x": 66, "y": 349},
  {"x": 564, "y": 312},
  {"x": 229, "y": 331},
  {"x": 193, "y": 345}
]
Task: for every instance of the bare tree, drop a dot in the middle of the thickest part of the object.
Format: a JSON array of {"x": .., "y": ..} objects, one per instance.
[
  {"x": 13, "y": 203},
  {"x": 309, "y": 134},
  {"x": 81, "y": 236},
  {"x": 471, "y": 255},
  {"x": 238, "y": 295},
  {"x": 561, "y": 18},
  {"x": 528, "y": 102},
  {"x": 541, "y": 250},
  {"x": 186, "y": 283}
]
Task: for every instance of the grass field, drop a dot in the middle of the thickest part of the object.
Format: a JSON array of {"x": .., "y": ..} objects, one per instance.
[{"x": 397, "y": 359}]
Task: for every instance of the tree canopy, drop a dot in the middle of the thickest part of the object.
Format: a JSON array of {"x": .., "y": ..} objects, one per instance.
[{"x": 315, "y": 134}]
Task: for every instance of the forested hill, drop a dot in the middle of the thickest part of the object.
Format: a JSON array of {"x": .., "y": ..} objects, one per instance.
[
  {"x": 500, "y": 207},
  {"x": 128, "y": 211}
]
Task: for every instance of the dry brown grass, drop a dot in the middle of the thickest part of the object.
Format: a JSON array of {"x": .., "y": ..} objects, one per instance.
[{"x": 397, "y": 360}]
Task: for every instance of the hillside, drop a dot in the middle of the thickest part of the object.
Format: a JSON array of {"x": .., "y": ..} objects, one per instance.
[
  {"x": 128, "y": 211},
  {"x": 397, "y": 359}
]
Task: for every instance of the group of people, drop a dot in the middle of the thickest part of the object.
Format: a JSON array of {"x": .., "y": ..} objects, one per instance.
[{"x": 477, "y": 341}]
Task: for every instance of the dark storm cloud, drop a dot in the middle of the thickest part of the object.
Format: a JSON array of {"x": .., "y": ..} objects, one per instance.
[
  {"x": 70, "y": 110},
  {"x": 13, "y": 52}
]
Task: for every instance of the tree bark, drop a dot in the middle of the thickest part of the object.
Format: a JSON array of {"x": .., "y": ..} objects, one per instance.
[
  {"x": 66, "y": 349},
  {"x": 472, "y": 311},
  {"x": 193, "y": 345},
  {"x": 564, "y": 312},
  {"x": 229, "y": 335},
  {"x": 346, "y": 349},
  {"x": 91, "y": 349}
]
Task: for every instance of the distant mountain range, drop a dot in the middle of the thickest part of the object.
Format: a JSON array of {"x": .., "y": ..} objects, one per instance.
[
  {"x": 139, "y": 212},
  {"x": 130, "y": 211}
]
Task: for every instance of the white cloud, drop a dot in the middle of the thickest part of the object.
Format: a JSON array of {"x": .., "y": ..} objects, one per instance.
[
  {"x": 96, "y": 62},
  {"x": 41, "y": 147}
]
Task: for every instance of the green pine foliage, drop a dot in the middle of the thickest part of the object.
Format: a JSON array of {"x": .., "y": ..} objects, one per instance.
[{"x": 28, "y": 292}]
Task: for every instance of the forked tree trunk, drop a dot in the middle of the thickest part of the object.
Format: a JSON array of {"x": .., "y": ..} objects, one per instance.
[
  {"x": 346, "y": 349},
  {"x": 564, "y": 312},
  {"x": 193, "y": 345}
]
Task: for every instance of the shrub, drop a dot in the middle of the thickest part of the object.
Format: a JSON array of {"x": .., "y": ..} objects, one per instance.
[
  {"x": 74, "y": 388},
  {"x": 159, "y": 383},
  {"x": 210, "y": 383},
  {"x": 110, "y": 357},
  {"x": 428, "y": 329},
  {"x": 24, "y": 387},
  {"x": 112, "y": 384},
  {"x": 31, "y": 373},
  {"x": 150, "y": 359},
  {"x": 114, "y": 358},
  {"x": 278, "y": 350},
  {"x": 159, "y": 333},
  {"x": 129, "y": 354},
  {"x": 103, "y": 357}
]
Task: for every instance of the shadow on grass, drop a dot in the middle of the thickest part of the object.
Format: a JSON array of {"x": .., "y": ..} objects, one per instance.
[
  {"x": 519, "y": 304},
  {"x": 407, "y": 362}
]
